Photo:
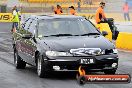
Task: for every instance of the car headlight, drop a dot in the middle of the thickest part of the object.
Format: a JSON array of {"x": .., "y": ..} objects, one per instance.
[
  {"x": 115, "y": 51},
  {"x": 56, "y": 53},
  {"x": 93, "y": 52},
  {"x": 103, "y": 52}
]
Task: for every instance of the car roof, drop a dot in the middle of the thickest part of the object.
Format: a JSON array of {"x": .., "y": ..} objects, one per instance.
[{"x": 40, "y": 17}]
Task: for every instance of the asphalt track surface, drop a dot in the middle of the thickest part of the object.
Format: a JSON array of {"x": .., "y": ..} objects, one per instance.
[{"x": 27, "y": 78}]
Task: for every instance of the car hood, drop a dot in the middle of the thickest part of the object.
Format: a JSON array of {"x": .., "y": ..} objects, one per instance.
[{"x": 67, "y": 43}]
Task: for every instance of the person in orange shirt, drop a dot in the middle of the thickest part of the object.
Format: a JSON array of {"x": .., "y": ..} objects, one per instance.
[
  {"x": 58, "y": 10},
  {"x": 126, "y": 11},
  {"x": 101, "y": 18},
  {"x": 72, "y": 10},
  {"x": 100, "y": 15}
]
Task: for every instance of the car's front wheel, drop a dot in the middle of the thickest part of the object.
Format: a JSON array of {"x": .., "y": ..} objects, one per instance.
[
  {"x": 19, "y": 63},
  {"x": 41, "y": 67}
]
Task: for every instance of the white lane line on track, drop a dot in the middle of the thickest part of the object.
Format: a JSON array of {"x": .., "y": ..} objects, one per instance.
[
  {"x": 4, "y": 32},
  {"x": 7, "y": 56},
  {"x": 127, "y": 51},
  {"x": 7, "y": 61}
]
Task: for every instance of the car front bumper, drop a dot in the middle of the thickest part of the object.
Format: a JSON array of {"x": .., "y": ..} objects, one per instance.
[{"x": 103, "y": 62}]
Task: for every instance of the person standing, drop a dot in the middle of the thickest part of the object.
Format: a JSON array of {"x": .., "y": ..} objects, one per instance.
[
  {"x": 15, "y": 19},
  {"x": 58, "y": 10},
  {"x": 90, "y": 2},
  {"x": 126, "y": 11},
  {"x": 79, "y": 5},
  {"x": 72, "y": 10}
]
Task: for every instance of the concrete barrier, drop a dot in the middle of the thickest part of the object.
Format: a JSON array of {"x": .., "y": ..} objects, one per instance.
[
  {"x": 105, "y": 27},
  {"x": 116, "y": 16},
  {"x": 124, "y": 41}
]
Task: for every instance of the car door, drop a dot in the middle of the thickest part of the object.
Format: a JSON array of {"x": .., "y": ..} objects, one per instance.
[
  {"x": 30, "y": 44},
  {"x": 21, "y": 44}
]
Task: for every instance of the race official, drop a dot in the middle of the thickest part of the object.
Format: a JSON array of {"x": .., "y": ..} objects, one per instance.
[
  {"x": 100, "y": 15},
  {"x": 101, "y": 18},
  {"x": 15, "y": 19},
  {"x": 72, "y": 11},
  {"x": 58, "y": 10}
]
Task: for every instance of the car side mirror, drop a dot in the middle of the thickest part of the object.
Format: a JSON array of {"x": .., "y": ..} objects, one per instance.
[
  {"x": 27, "y": 36},
  {"x": 104, "y": 33}
]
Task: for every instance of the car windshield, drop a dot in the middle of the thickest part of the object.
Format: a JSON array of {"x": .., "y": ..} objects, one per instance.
[{"x": 66, "y": 27}]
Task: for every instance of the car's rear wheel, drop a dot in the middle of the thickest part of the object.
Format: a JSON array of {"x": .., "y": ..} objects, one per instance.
[
  {"x": 41, "y": 67},
  {"x": 19, "y": 63},
  {"x": 110, "y": 71}
]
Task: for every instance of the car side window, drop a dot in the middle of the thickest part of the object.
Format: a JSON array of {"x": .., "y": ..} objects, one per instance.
[
  {"x": 32, "y": 26},
  {"x": 27, "y": 24}
]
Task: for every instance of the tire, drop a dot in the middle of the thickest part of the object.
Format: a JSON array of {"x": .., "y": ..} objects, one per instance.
[
  {"x": 81, "y": 80},
  {"x": 19, "y": 63},
  {"x": 110, "y": 71},
  {"x": 41, "y": 67}
]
